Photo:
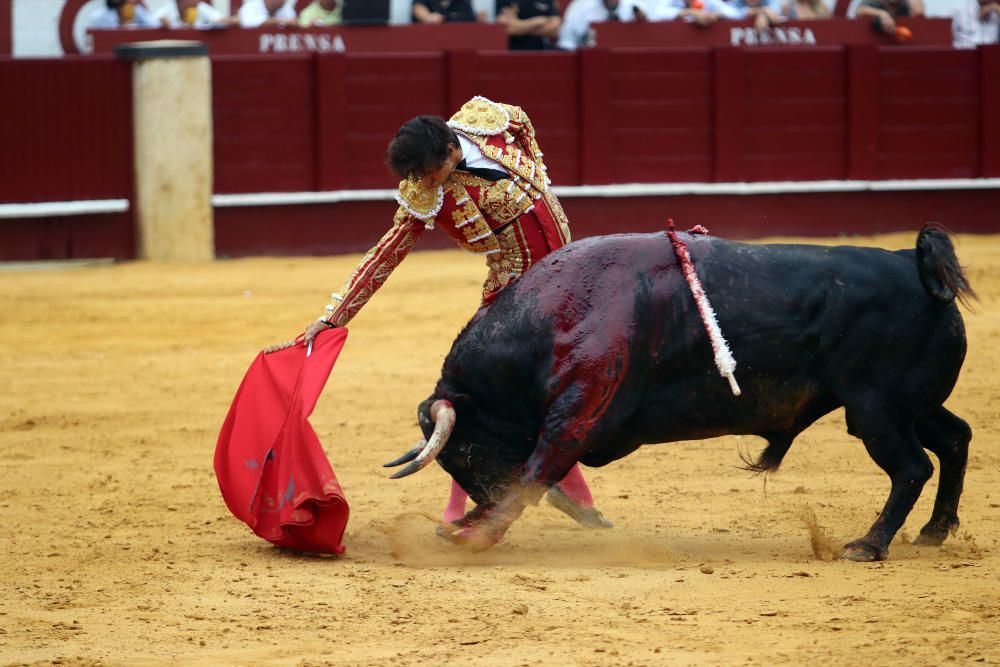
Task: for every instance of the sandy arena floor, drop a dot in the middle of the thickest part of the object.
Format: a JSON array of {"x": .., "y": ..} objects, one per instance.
[{"x": 116, "y": 547}]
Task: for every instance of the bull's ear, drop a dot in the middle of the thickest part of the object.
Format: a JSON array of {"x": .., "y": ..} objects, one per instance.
[{"x": 424, "y": 414}]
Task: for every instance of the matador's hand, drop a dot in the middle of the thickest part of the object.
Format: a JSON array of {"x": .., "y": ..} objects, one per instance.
[{"x": 314, "y": 329}]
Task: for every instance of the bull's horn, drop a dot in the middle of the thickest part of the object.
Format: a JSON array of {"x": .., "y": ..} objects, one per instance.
[
  {"x": 407, "y": 457},
  {"x": 443, "y": 415}
]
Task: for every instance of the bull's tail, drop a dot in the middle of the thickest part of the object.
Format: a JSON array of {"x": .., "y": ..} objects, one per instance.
[
  {"x": 770, "y": 458},
  {"x": 940, "y": 273}
]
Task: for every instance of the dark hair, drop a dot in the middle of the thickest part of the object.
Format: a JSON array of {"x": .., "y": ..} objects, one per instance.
[{"x": 420, "y": 146}]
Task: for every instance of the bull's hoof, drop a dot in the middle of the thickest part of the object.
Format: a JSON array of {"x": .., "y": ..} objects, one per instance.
[
  {"x": 588, "y": 517},
  {"x": 860, "y": 551},
  {"x": 930, "y": 539},
  {"x": 934, "y": 534},
  {"x": 473, "y": 538},
  {"x": 445, "y": 530}
]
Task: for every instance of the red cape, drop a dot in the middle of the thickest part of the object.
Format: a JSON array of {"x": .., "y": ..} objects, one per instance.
[{"x": 269, "y": 462}]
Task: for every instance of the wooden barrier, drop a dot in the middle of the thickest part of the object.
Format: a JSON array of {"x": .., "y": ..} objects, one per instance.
[
  {"x": 321, "y": 122},
  {"x": 414, "y": 38},
  {"x": 825, "y": 32}
]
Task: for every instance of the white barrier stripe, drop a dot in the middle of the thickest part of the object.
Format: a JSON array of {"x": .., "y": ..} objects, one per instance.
[
  {"x": 63, "y": 208},
  {"x": 633, "y": 190},
  {"x": 85, "y": 207}
]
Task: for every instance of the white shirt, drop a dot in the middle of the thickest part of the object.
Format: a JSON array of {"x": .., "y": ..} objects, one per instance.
[
  {"x": 108, "y": 18},
  {"x": 474, "y": 157},
  {"x": 575, "y": 31},
  {"x": 253, "y": 13},
  {"x": 206, "y": 17},
  {"x": 667, "y": 10},
  {"x": 968, "y": 31}
]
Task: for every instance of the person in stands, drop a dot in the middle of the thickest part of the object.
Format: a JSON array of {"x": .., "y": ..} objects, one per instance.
[
  {"x": 124, "y": 14},
  {"x": 267, "y": 13},
  {"x": 445, "y": 11},
  {"x": 533, "y": 25}
]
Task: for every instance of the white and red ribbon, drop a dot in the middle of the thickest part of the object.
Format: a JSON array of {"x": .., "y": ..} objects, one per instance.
[{"x": 724, "y": 360}]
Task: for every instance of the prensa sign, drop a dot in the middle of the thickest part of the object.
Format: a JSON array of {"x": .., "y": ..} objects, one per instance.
[
  {"x": 286, "y": 42},
  {"x": 793, "y": 36}
]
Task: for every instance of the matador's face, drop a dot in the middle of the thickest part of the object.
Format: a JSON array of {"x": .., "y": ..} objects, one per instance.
[{"x": 438, "y": 176}]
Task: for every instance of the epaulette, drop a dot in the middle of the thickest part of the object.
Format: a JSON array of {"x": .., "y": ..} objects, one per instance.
[
  {"x": 482, "y": 117},
  {"x": 421, "y": 201}
]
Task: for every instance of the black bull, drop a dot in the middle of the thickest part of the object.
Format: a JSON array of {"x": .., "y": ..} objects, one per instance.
[{"x": 599, "y": 349}]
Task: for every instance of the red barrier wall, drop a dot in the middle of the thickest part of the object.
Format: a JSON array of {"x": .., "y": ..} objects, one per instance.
[
  {"x": 928, "y": 114},
  {"x": 321, "y": 122},
  {"x": 356, "y": 226},
  {"x": 263, "y": 120},
  {"x": 819, "y": 32},
  {"x": 648, "y": 116},
  {"x": 414, "y": 38},
  {"x": 6, "y": 27},
  {"x": 67, "y": 130},
  {"x": 68, "y": 237}
]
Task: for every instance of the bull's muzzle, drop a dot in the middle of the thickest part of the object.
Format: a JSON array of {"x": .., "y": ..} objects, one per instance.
[{"x": 442, "y": 413}]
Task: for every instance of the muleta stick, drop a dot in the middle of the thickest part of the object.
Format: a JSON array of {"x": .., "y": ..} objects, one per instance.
[{"x": 724, "y": 360}]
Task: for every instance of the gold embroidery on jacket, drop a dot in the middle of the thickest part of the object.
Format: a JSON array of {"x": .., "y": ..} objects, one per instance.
[
  {"x": 503, "y": 200},
  {"x": 481, "y": 116},
  {"x": 475, "y": 230},
  {"x": 423, "y": 202}
]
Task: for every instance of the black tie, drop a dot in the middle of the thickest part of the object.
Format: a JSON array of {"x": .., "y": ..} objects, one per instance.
[{"x": 481, "y": 172}]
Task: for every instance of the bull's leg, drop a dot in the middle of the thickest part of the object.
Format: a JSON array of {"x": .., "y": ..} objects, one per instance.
[
  {"x": 894, "y": 447},
  {"x": 948, "y": 437},
  {"x": 485, "y": 526},
  {"x": 587, "y": 371}
]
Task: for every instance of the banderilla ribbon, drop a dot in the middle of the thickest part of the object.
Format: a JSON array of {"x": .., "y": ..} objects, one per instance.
[{"x": 724, "y": 360}]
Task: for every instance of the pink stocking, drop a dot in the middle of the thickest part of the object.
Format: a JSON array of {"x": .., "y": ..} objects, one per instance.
[
  {"x": 456, "y": 504},
  {"x": 575, "y": 486}
]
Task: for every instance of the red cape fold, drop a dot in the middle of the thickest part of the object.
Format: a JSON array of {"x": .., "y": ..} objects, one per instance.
[{"x": 269, "y": 462}]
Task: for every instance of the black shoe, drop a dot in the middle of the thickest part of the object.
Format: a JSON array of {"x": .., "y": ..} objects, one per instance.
[{"x": 588, "y": 517}]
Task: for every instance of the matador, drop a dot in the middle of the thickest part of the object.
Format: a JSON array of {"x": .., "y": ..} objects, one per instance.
[{"x": 481, "y": 178}]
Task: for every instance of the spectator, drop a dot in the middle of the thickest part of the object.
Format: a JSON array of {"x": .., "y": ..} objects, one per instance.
[
  {"x": 806, "y": 10},
  {"x": 533, "y": 25},
  {"x": 125, "y": 14},
  {"x": 975, "y": 22},
  {"x": 257, "y": 13},
  {"x": 440, "y": 11},
  {"x": 700, "y": 12},
  {"x": 576, "y": 29},
  {"x": 193, "y": 14},
  {"x": 321, "y": 13},
  {"x": 763, "y": 13},
  {"x": 883, "y": 13}
]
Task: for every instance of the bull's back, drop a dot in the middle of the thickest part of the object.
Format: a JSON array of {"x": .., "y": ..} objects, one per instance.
[{"x": 804, "y": 323}]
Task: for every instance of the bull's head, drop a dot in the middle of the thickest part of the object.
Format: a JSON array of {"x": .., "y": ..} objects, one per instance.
[
  {"x": 439, "y": 419},
  {"x": 462, "y": 446}
]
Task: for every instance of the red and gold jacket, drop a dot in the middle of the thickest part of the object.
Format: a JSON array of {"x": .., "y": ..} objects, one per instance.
[{"x": 482, "y": 216}]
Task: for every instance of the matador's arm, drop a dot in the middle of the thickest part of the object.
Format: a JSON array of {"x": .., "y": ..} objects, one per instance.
[{"x": 374, "y": 269}]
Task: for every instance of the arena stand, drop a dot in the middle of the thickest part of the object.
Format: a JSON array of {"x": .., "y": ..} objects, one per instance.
[{"x": 746, "y": 141}]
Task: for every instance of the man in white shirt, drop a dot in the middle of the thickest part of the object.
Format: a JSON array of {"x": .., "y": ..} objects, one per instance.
[
  {"x": 707, "y": 13},
  {"x": 192, "y": 14},
  {"x": 576, "y": 31},
  {"x": 257, "y": 13},
  {"x": 975, "y": 22},
  {"x": 124, "y": 14}
]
